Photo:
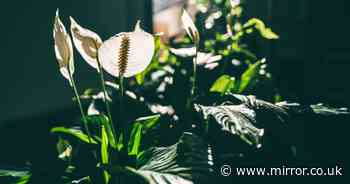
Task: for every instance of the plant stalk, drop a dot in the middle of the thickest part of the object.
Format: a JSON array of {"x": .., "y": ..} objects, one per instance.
[
  {"x": 194, "y": 74},
  {"x": 80, "y": 107},
  {"x": 105, "y": 97},
  {"x": 121, "y": 109}
]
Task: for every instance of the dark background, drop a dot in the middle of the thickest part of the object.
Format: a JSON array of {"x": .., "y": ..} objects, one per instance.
[
  {"x": 309, "y": 63},
  {"x": 311, "y": 60}
]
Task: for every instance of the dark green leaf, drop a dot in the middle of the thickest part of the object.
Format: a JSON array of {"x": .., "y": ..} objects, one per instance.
[
  {"x": 188, "y": 161},
  {"x": 140, "y": 126},
  {"x": 237, "y": 119},
  {"x": 74, "y": 133},
  {"x": 103, "y": 120},
  {"x": 15, "y": 176},
  {"x": 249, "y": 77},
  {"x": 148, "y": 122}
]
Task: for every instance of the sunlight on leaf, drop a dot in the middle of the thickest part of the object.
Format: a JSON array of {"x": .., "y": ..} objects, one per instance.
[
  {"x": 250, "y": 76},
  {"x": 148, "y": 122},
  {"x": 104, "y": 152},
  {"x": 104, "y": 146},
  {"x": 140, "y": 126},
  {"x": 73, "y": 132},
  {"x": 15, "y": 176},
  {"x": 236, "y": 119},
  {"x": 103, "y": 120},
  {"x": 260, "y": 26},
  {"x": 223, "y": 84},
  {"x": 135, "y": 140}
]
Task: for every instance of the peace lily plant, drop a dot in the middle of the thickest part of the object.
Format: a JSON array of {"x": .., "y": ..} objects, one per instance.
[
  {"x": 65, "y": 58},
  {"x": 123, "y": 55},
  {"x": 157, "y": 79},
  {"x": 182, "y": 141}
]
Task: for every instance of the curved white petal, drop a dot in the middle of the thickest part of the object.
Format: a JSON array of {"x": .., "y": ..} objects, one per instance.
[
  {"x": 139, "y": 55},
  {"x": 234, "y": 3},
  {"x": 190, "y": 27},
  {"x": 63, "y": 48},
  {"x": 86, "y": 42},
  {"x": 184, "y": 52}
]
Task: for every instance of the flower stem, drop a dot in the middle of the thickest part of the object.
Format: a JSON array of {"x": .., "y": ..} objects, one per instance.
[
  {"x": 121, "y": 109},
  {"x": 80, "y": 107},
  {"x": 194, "y": 74},
  {"x": 105, "y": 97}
]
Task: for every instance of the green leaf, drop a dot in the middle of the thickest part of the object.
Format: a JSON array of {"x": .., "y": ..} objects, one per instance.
[
  {"x": 260, "y": 26},
  {"x": 135, "y": 140},
  {"x": 238, "y": 120},
  {"x": 120, "y": 144},
  {"x": 148, "y": 122},
  {"x": 104, "y": 146},
  {"x": 140, "y": 126},
  {"x": 223, "y": 84},
  {"x": 188, "y": 161},
  {"x": 15, "y": 176},
  {"x": 104, "y": 153},
  {"x": 140, "y": 77},
  {"x": 103, "y": 120},
  {"x": 74, "y": 133},
  {"x": 249, "y": 77}
]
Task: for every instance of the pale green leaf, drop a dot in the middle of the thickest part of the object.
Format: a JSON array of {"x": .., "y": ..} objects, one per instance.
[
  {"x": 223, "y": 84},
  {"x": 74, "y": 133},
  {"x": 259, "y": 25},
  {"x": 249, "y": 77},
  {"x": 135, "y": 140}
]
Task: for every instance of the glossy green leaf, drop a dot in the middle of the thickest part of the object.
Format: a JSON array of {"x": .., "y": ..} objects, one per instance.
[
  {"x": 249, "y": 77},
  {"x": 74, "y": 133},
  {"x": 103, "y": 120},
  {"x": 104, "y": 146},
  {"x": 260, "y": 26},
  {"x": 148, "y": 122},
  {"x": 238, "y": 120},
  {"x": 188, "y": 161},
  {"x": 140, "y": 126},
  {"x": 15, "y": 176},
  {"x": 135, "y": 140},
  {"x": 104, "y": 153},
  {"x": 223, "y": 84}
]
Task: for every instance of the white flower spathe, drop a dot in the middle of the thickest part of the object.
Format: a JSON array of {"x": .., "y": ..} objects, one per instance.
[
  {"x": 127, "y": 53},
  {"x": 235, "y": 3},
  {"x": 189, "y": 26},
  {"x": 63, "y": 49},
  {"x": 86, "y": 42}
]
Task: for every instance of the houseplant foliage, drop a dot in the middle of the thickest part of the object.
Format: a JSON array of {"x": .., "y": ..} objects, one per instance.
[{"x": 187, "y": 89}]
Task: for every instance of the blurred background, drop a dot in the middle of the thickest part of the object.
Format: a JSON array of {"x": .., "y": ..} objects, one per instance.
[{"x": 310, "y": 62}]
